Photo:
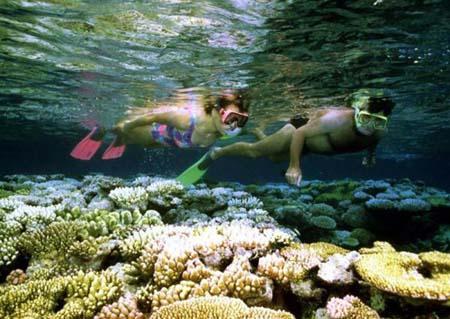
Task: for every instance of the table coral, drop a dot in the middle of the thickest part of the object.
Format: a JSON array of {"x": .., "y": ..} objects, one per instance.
[
  {"x": 400, "y": 274},
  {"x": 217, "y": 307}
]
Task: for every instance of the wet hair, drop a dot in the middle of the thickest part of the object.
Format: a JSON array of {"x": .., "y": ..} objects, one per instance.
[
  {"x": 227, "y": 97},
  {"x": 380, "y": 104},
  {"x": 298, "y": 120}
]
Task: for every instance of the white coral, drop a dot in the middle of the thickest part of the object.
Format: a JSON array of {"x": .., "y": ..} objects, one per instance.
[
  {"x": 130, "y": 197},
  {"x": 337, "y": 270},
  {"x": 248, "y": 202},
  {"x": 165, "y": 187},
  {"x": 33, "y": 216}
]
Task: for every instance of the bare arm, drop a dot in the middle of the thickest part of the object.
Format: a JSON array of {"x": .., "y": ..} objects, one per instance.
[
  {"x": 170, "y": 116},
  {"x": 325, "y": 123},
  {"x": 294, "y": 174}
]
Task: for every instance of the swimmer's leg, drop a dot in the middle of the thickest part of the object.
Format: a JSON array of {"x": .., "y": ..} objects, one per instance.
[
  {"x": 259, "y": 134},
  {"x": 274, "y": 144}
]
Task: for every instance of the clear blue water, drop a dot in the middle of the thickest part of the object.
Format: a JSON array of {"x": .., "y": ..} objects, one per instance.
[{"x": 64, "y": 62}]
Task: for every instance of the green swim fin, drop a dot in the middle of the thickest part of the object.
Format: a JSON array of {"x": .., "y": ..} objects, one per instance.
[{"x": 195, "y": 172}]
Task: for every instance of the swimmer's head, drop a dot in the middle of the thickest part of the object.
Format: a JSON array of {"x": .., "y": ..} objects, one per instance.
[
  {"x": 372, "y": 101},
  {"x": 372, "y": 107},
  {"x": 232, "y": 110}
]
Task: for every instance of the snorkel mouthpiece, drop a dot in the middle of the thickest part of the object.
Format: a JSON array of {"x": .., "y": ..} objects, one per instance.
[{"x": 232, "y": 132}]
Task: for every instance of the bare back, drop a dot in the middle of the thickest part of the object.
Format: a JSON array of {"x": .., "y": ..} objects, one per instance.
[{"x": 340, "y": 134}]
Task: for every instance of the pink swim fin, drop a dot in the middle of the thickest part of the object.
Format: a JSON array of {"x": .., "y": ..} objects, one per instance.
[
  {"x": 89, "y": 145},
  {"x": 114, "y": 150}
]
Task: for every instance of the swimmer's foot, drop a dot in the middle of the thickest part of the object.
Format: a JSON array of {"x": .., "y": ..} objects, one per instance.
[
  {"x": 195, "y": 172},
  {"x": 114, "y": 150},
  {"x": 89, "y": 145}
]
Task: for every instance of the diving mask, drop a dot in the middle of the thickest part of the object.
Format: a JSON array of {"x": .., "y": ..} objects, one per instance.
[
  {"x": 370, "y": 120},
  {"x": 229, "y": 117}
]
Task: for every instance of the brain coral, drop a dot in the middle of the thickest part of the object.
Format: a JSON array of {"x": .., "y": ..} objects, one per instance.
[{"x": 218, "y": 308}]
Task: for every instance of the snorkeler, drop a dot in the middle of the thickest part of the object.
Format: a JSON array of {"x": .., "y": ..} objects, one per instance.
[
  {"x": 190, "y": 120},
  {"x": 326, "y": 130}
]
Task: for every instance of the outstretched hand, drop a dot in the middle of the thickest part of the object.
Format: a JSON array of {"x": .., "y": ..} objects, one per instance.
[{"x": 294, "y": 176}]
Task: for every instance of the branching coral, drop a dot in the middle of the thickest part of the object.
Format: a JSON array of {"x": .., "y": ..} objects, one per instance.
[
  {"x": 196, "y": 255},
  {"x": 247, "y": 202},
  {"x": 293, "y": 263},
  {"x": 8, "y": 243},
  {"x": 88, "y": 292},
  {"x": 63, "y": 248},
  {"x": 17, "y": 300},
  {"x": 349, "y": 307},
  {"x": 132, "y": 246},
  {"x": 125, "y": 308},
  {"x": 31, "y": 217},
  {"x": 55, "y": 238},
  {"x": 130, "y": 197},
  {"x": 90, "y": 253},
  {"x": 216, "y": 307},
  {"x": 250, "y": 257},
  {"x": 165, "y": 193}
]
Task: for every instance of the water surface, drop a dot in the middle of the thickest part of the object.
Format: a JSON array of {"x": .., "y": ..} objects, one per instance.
[{"x": 67, "y": 61}]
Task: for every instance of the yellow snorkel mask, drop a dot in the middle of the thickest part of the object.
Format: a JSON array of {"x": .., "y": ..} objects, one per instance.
[{"x": 364, "y": 119}]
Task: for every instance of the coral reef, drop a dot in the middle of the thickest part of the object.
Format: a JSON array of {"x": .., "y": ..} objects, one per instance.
[
  {"x": 349, "y": 307},
  {"x": 217, "y": 307},
  {"x": 401, "y": 273},
  {"x": 105, "y": 247}
]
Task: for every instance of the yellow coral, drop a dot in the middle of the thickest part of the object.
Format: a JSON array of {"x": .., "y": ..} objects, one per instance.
[
  {"x": 216, "y": 307},
  {"x": 399, "y": 273},
  {"x": 38, "y": 296},
  {"x": 88, "y": 292},
  {"x": 436, "y": 261},
  {"x": 378, "y": 247},
  {"x": 235, "y": 281},
  {"x": 54, "y": 239}
]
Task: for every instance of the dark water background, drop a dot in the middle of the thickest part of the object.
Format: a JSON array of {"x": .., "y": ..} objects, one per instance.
[{"x": 65, "y": 61}]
